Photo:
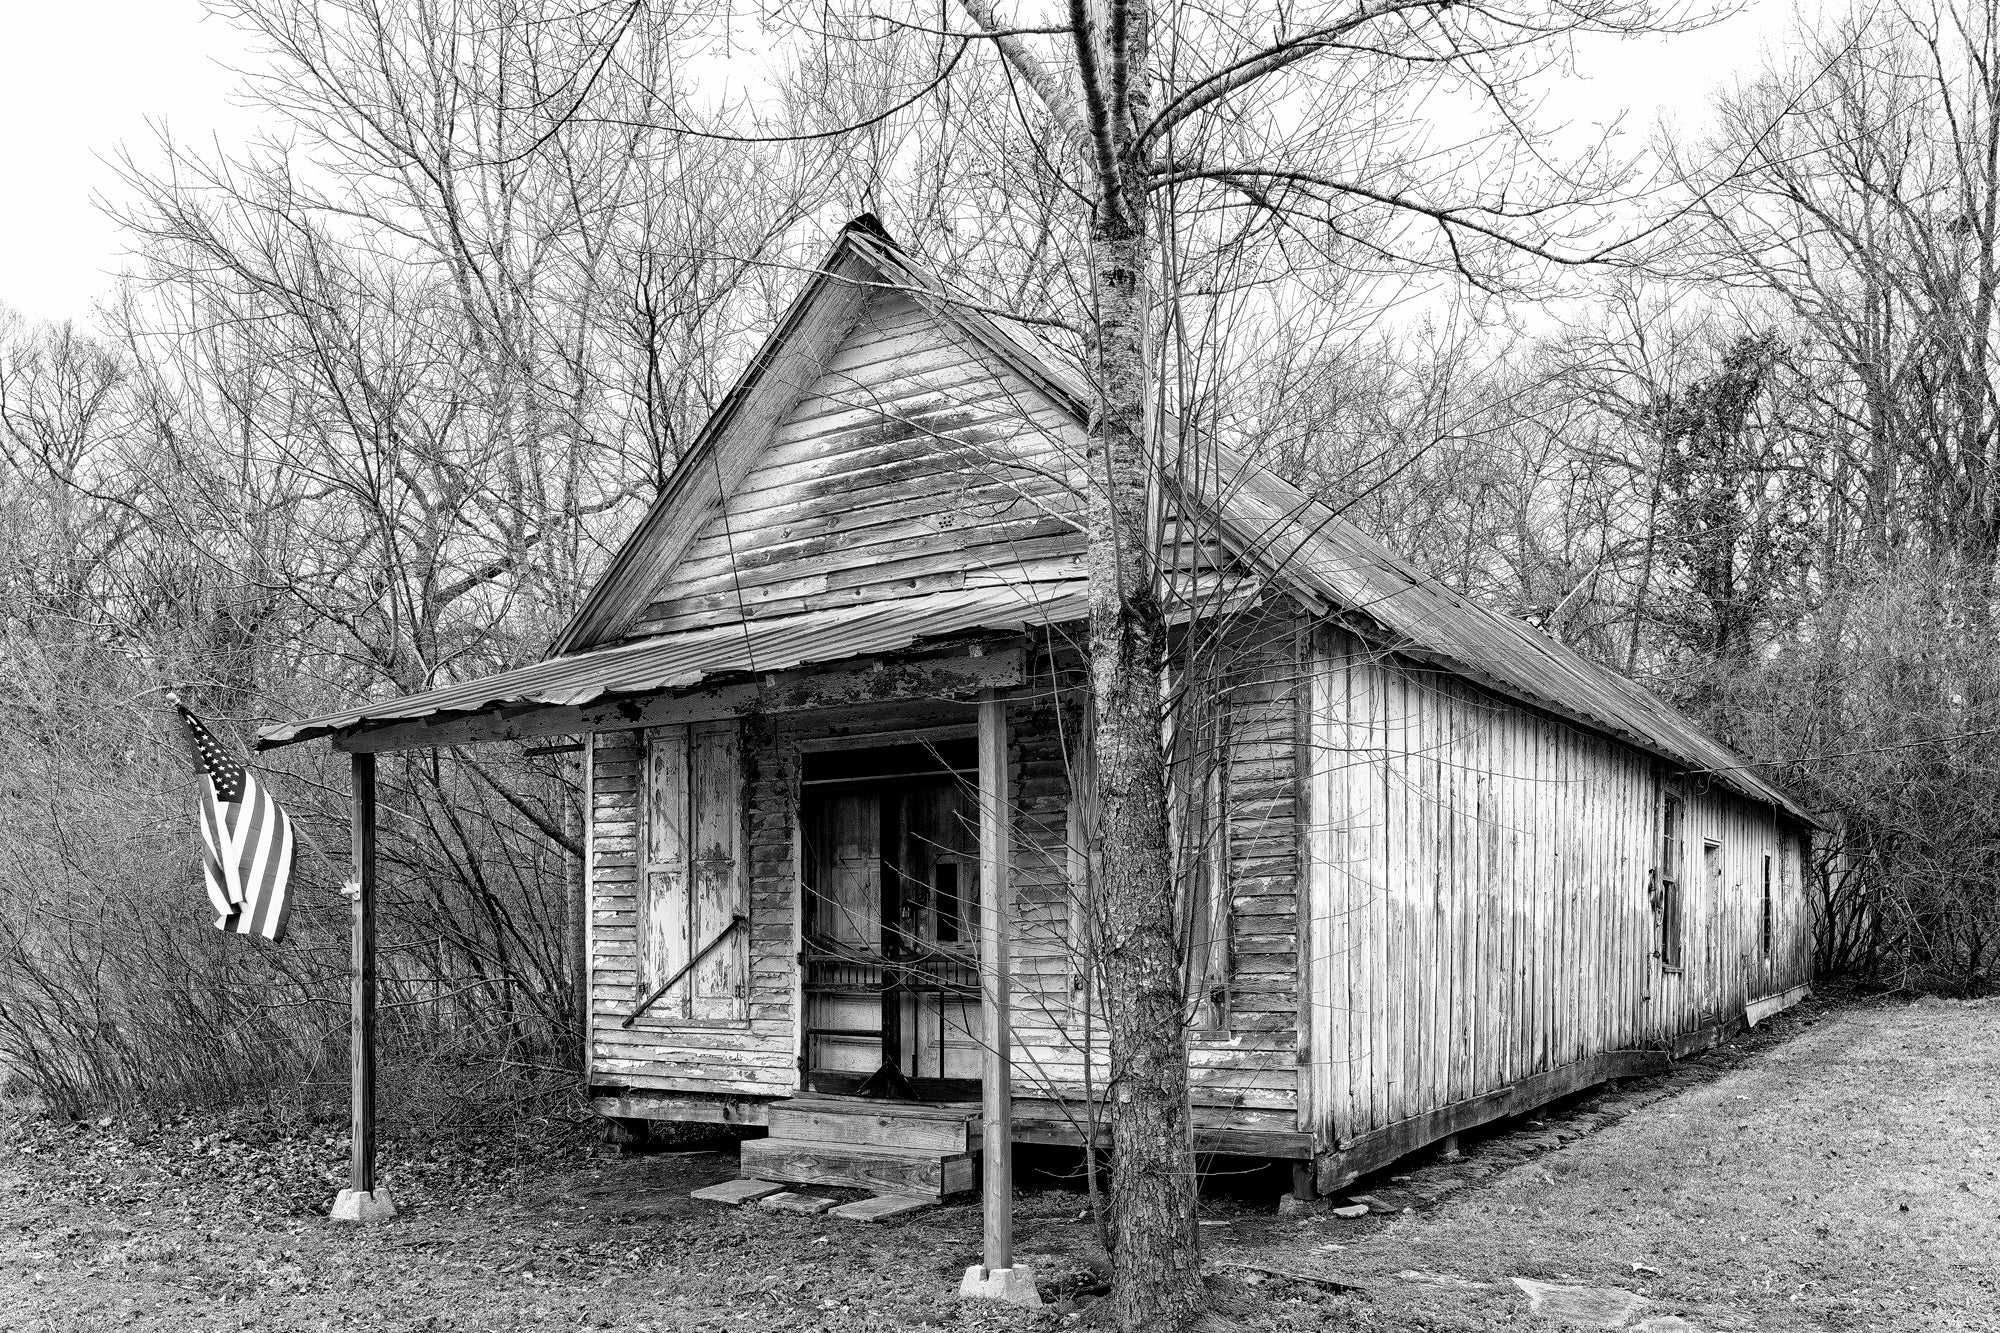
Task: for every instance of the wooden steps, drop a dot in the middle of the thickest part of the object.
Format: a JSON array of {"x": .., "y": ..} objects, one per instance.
[{"x": 926, "y": 1149}]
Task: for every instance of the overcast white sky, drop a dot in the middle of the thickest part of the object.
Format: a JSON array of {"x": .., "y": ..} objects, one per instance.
[{"x": 78, "y": 81}]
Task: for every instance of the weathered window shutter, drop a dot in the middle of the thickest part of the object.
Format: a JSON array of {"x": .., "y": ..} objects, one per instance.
[
  {"x": 721, "y": 983},
  {"x": 1197, "y": 744},
  {"x": 1209, "y": 964},
  {"x": 696, "y": 877},
  {"x": 665, "y": 948}
]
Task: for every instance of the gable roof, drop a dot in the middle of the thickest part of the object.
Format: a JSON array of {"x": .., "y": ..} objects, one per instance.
[
  {"x": 781, "y": 371},
  {"x": 864, "y": 262},
  {"x": 1300, "y": 544}
]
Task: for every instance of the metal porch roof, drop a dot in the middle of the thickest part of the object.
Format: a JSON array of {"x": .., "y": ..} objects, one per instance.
[{"x": 678, "y": 661}]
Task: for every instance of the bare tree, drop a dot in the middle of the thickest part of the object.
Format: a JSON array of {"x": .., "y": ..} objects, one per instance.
[
  {"x": 1197, "y": 145},
  {"x": 380, "y": 395},
  {"x": 1867, "y": 214}
]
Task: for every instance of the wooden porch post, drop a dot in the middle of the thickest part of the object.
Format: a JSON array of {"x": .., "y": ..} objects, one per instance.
[
  {"x": 997, "y": 1278},
  {"x": 995, "y": 851},
  {"x": 361, "y": 1201}
]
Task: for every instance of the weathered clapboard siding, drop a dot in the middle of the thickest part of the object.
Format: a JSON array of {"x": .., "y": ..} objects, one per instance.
[
  {"x": 1481, "y": 908},
  {"x": 1479, "y": 914},
  {"x": 1253, "y": 1061},
  {"x": 762, "y": 1056},
  {"x": 914, "y": 463},
  {"x": 1050, "y": 972},
  {"x": 1482, "y": 895},
  {"x": 1248, "y": 1072},
  {"x": 1251, "y": 1067}
]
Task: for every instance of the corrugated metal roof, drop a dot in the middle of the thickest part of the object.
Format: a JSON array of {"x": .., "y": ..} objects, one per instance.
[
  {"x": 1302, "y": 543},
  {"x": 678, "y": 661},
  {"x": 1305, "y": 543}
]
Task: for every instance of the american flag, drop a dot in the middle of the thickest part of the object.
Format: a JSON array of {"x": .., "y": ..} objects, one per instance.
[{"x": 246, "y": 841}]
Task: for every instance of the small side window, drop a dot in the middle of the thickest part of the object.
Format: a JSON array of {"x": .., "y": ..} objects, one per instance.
[
  {"x": 1668, "y": 904},
  {"x": 1764, "y": 920},
  {"x": 1711, "y": 863}
]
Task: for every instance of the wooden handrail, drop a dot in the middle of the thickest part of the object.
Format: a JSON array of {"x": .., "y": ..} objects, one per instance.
[{"x": 686, "y": 968}]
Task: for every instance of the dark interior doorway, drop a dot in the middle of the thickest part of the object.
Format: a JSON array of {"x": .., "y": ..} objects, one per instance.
[{"x": 890, "y": 838}]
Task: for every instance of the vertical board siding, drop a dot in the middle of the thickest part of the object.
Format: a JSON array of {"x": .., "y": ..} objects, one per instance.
[{"x": 1480, "y": 905}]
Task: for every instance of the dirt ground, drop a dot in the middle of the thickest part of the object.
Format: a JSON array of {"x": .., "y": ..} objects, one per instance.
[{"x": 1836, "y": 1170}]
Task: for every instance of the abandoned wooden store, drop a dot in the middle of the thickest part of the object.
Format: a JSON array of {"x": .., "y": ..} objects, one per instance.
[{"x": 1435, "y": 867}]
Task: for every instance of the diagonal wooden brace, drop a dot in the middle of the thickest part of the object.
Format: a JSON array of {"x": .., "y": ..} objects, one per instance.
[{"x": 686, "y": 968}]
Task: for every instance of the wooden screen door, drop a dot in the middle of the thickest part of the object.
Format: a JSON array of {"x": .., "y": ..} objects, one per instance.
[{"x": 891, "y": 878}]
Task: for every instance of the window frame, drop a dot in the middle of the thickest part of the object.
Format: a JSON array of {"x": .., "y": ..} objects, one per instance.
[
  {"x": 1767, "y": 912},
  {"x": 1669, "y": 876}
]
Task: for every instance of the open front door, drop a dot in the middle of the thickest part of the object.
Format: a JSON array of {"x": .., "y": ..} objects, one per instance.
[{"x": 891, "y": 878}]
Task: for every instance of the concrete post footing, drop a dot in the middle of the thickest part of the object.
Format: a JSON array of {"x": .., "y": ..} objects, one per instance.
[
  {"x": 363, "y": 1206},
  {"x": 1014, "y": 1286}
]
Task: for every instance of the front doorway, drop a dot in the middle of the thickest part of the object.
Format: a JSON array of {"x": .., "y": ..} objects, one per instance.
[{"x": 890, "y": 873}]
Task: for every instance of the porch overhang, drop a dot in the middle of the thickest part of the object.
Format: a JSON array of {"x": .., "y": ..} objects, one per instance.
[{"x": 815, "y": 659}]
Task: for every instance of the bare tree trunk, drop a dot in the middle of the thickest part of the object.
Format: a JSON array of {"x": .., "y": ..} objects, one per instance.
[{"x": 1158, "y": 1267}]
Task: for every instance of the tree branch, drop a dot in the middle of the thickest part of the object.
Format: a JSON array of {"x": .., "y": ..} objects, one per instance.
[
  {"x": 1250, "y": 68},
  {"x": 1057, "y": 100},
  {"x": 1446, "y": 216}
]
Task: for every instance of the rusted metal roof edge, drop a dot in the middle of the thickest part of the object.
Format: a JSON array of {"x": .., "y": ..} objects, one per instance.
[{"x": 664, "y": 663}]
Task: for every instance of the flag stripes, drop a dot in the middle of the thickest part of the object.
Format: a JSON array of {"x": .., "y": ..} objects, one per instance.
[{"x": 247, "y": 846}]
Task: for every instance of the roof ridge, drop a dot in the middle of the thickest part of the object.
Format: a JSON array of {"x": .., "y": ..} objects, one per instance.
[{"x": 1302, "y": 542}]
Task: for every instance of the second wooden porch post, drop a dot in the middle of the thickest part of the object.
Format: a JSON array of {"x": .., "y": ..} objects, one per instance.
[{"x": 998, "y": 1278}]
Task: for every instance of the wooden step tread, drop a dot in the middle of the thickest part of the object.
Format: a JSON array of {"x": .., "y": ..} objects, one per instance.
[
  {"x": 834, "y": 1104},
  {"x": 884, "y": 1169},
  {"x": 837, "y": 1147},
  {"x": 873, "y": 1123}
]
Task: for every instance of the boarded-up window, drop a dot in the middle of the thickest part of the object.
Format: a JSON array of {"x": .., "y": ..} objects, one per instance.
[
  {"x": 1668, "y": 899},
  {"x": 1198, "y": 774},
  {"x": 696, "y": 881}
]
